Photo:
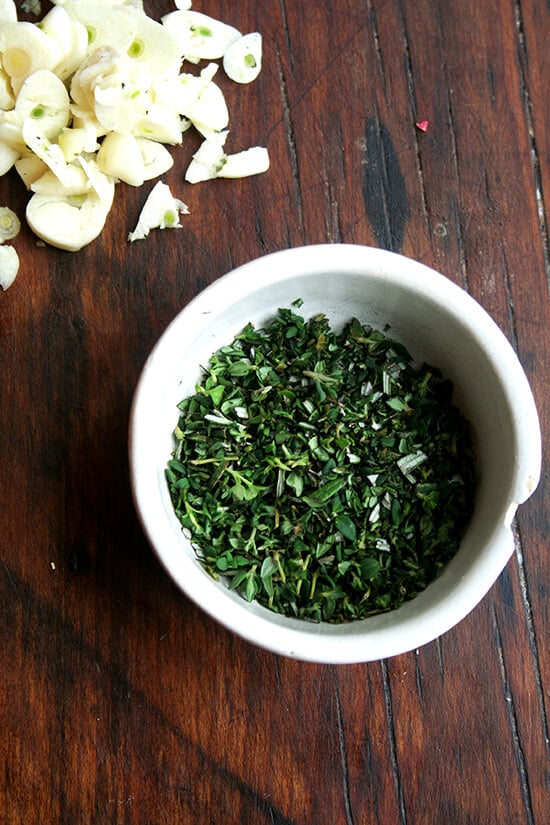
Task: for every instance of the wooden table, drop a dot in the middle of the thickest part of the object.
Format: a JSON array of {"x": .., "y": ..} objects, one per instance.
[{"x": 122, "y": 702}]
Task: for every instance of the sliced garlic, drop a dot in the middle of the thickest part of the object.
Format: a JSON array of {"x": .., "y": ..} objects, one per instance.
[
  {"x": 156, "y": 158},
  {"x": 75, "y": 183},
  {"x": 208, "y": 159},
  {"x": 25, "y": 48},
  {"x": 155, "y": 46},
  {"x": 181, "y": 92},
  {"x": 200, "y": 37},
  {"x": 253, "y": 161},
  {"x": 47, "y": 151},
  {"x": 209, "y": 112},
  {"x": 160, "y": 123},
  {"x": 11, "y": 132},
  {"x": 72, "y": 142},
  {"x": 7, "y": 98},
  {"x": 101, "y": 183},
  {"x": 8, "y": 11},
  {"x": 120, "y": 157},
  {"x": 9, "y": 266},
  {"x": 57, "y": 24},
  {"x": 68, "y": 222},
  {"x": 106, "y": 26},
  {"x": 120, "y": 103},
  {"x": 160, "y": 211},
  {"x": 8, "y": 156},
  {"x": 10, "y": 225},
  {"x": 44, "y": 98},
  {"x": 29, "y": 169},
  {"x": 75, "y": 52},
  {"x": 242, "y": 61},
  {"x": 93, "y": 130}
]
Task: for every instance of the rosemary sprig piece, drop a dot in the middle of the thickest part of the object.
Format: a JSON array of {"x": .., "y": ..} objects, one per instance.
[{"x": 321, "y": 473}]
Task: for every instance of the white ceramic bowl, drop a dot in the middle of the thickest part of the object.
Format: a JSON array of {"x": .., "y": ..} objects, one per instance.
[{"x": 439, "y": 323}]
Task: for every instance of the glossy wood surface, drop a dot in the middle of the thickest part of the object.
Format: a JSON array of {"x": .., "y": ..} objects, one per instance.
[{"x": 122, "y": 702}]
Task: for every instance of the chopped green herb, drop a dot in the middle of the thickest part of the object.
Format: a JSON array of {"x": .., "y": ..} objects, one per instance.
[{"x": 321, "y": 473}]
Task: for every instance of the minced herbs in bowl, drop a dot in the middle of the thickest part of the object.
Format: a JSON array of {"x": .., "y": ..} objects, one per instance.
[{"x": 322, "y": 473}]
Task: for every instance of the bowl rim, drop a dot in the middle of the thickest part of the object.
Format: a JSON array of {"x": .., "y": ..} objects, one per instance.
[{"x": 357, "y": 641}]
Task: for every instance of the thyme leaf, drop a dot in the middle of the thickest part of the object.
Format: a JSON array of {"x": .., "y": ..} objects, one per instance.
[{"x": 321, "y": 473}]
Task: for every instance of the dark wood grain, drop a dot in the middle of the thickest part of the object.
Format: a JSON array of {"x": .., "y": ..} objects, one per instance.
[{"x": 121, "y": 702}]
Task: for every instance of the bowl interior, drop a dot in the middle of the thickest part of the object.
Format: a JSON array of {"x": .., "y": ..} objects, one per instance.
[{"x": 439, "y": 323}]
